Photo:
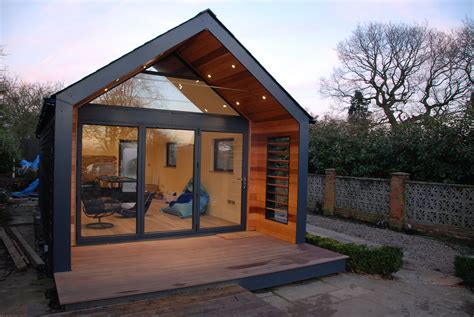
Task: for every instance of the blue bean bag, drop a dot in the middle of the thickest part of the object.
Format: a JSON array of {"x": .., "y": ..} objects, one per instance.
[{"x": 183, "y": 206}]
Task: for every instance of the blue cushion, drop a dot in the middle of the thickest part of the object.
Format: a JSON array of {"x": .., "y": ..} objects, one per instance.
[{"x": 180, "y": 210}]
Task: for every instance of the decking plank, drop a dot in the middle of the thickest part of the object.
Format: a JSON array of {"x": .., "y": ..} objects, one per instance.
[{"x": 15, "y": 254}]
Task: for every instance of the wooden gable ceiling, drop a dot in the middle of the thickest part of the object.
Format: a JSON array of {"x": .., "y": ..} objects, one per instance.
[{"x": 207, "y": 56}]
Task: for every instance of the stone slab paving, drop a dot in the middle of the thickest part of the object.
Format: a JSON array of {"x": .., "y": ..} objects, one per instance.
[
  {"x": 410, "y": 293},
  {"x": 338, "y": 236}
]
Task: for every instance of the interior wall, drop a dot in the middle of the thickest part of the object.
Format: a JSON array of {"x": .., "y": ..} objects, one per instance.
[
  {"x": 169, "y": 179},
  {"x": 224, "y": 188},
  {"x": 259, "y": 133}
]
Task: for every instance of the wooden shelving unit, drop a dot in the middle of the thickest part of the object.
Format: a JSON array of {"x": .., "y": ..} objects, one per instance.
[{"x": 277, "y": 179}]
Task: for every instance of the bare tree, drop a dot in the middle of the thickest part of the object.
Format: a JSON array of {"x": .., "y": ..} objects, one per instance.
[
  {"x": 21, "y": 106},
  {"x": 406, "y": 72}
]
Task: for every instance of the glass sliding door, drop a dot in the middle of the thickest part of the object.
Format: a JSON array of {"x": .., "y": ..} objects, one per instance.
[
  {"x": 221, "y": 179},
  {"x": 108, "y": 181},
  {"x": 174, "y": 203},
  {"x": 169, "y": 168}
]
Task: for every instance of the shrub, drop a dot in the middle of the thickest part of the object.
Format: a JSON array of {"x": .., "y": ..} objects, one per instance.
[
  {"x": 8, "y": 151},
  {"x": 464, "y": 267},
  {"x": 382, "y": 260}
]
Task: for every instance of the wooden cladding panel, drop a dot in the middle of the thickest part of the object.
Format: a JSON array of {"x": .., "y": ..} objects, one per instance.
[
  {"x": 209, "y": 57},
  {"x": 259, "y": 134}
]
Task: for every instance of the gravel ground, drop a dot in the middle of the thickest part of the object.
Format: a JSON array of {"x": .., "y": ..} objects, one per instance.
[{"x": 421, "y": 253}]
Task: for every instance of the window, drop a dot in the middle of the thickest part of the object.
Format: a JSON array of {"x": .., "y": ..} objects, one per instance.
[
  {"x": 224, "y": 155},
  {"x": 167, "y": 85},
  {"x": 171, "y": 154},
  {"x": 278, "y": 174}
]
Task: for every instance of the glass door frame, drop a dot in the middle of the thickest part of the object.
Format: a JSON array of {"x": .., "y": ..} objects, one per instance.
[{"x": 143, "y": 119}]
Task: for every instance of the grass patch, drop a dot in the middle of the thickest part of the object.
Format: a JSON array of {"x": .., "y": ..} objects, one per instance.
[
  {"x": 382, "y": 260},
  {"x": 464, "y": 268}
]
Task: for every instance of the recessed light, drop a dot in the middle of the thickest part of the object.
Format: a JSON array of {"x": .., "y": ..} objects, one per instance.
[
  {"x": 197, "y": 81},
  {"x": 117, "y": 79},
  {"x": 105, "y": 89},
  {"x": 144, "y": 66},
  {"x": 237, "y": 103},
  {"x": 225, "y": 106},
  {"x": 209, "y": 75},
  {"x": 264, "y": 97},
  {"x": 233, "y": 66},
  {"x": 180, "y": 86},
  {"x": 205, "y": 109}
]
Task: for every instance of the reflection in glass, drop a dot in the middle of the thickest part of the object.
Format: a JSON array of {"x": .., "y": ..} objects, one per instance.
[
  {"x": 108, "y": 180},
  {"x": 168, "y": 180},
  {"x": 221, "y": 175},
  {"x": 168, "y": 85}
]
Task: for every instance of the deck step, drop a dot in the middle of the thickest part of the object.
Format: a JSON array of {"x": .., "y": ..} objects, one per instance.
[{"x": 228, "y": 300}]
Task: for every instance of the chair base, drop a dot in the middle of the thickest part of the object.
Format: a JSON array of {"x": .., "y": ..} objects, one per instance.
[{"x": 100, "y": 225}]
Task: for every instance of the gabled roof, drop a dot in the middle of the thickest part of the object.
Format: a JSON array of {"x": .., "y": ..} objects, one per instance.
[{"x": 201, "y": 41}]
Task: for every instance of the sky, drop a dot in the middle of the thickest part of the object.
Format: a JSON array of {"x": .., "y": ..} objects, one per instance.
[{"x": 63, "y": 41}]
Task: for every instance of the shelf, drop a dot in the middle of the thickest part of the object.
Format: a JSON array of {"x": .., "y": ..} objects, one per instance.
[
  {"x": 277, "y": 185},
  {"x": 278, "y": 160},
  {"x": 277, "y": 177},
  {"x": 277, "y": 210},
  {"x": 279, "y": 143},
  {"x": 282, "y": 169},
  {"x": 277, "y": 194},
  {"x": 278, "y": 202}
]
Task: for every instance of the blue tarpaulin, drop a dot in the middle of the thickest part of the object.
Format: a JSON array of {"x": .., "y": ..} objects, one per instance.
[
  {"x": 28, "y": 191},
  {"x": 24, "y": 164},
  {"x": 31, "y": 189}
]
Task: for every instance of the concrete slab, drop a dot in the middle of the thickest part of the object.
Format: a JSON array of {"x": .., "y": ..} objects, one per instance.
[
  {"x": 408, "y": 294},
  {"x": 280, "y": 303},
  {"x": 349, "y": 292},
  {"x": 341, "y": 237},
  {"x": 299, "y": 291}
]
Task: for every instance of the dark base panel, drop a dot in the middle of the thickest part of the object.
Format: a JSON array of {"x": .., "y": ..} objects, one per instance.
[{"x": 295, "y": 275}]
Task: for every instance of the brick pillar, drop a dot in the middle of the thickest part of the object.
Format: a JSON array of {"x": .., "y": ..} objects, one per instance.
[
  {"x": 397, "y": 200},
  {"x": 329, "y": 192}
]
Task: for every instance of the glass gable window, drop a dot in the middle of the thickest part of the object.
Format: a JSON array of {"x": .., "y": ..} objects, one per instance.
[{"x": 167, "y": 85}]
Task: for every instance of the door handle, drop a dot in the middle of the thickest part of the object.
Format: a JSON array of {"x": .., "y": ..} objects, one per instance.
[{"x": 244, "y": 182}]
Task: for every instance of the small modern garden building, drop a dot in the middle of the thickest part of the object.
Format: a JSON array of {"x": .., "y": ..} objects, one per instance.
[{"x": 185, "y": 136}]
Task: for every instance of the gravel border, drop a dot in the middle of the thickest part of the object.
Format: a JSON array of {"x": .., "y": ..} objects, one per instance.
[{"x": 420, "y": 252}]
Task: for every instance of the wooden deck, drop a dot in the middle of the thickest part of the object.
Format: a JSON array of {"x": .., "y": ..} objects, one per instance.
[{"x": 131, "y": 270}]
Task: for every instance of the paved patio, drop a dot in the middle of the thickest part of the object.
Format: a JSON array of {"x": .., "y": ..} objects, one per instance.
[{"x": 410, "y": 293}]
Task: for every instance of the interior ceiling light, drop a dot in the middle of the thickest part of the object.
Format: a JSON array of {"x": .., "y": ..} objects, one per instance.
[
  {"x": 205, "y": 109},
  {"x": 264, "y": 97},
  {"x": 237, "y": 103},
  {"x": 209, "y": 75},
  {"x": 180, "y": 86},
  {"x": 105, "y": 89},
  {"x": 117, "y": 79},
  {"x": 197, "y": 81},
  {"x": 233, "y": 66},
  {"x": 225, "y": 106},
  {"x": 144, "y": 66}
]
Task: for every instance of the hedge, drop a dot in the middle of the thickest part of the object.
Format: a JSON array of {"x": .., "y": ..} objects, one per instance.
[
  {"x": 464, "y": 268},
  {"x": 382, "y": 260}
]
